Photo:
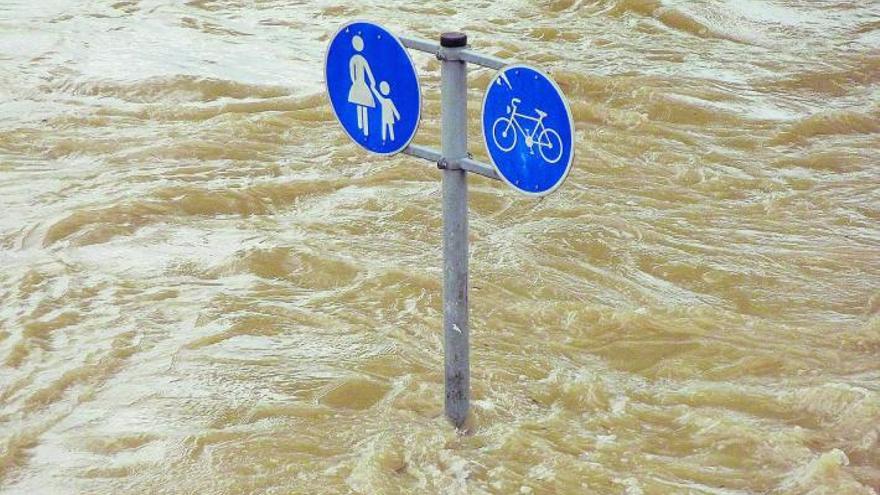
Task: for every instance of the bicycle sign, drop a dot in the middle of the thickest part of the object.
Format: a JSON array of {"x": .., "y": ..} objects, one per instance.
[{"x": 528, "y": 130}]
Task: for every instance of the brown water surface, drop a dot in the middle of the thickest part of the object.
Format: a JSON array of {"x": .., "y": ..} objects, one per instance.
[{"x": 207, "y": 289}]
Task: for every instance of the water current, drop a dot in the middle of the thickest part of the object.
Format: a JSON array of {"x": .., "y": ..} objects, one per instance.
[{"x": 206, "y": 288}]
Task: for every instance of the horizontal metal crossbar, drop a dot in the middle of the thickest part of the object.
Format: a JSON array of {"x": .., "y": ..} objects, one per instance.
[
  {"x": 425, "y": 152},
  {"x": 435, "y": 156},
  {"x": 477, "y": 167},
  {"x": 465, "y": 55}
]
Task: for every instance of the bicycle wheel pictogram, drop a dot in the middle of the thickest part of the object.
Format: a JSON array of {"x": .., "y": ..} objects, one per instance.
[
  {"x": 504, "y": 134},
  {"x": 550, "y": 146}
]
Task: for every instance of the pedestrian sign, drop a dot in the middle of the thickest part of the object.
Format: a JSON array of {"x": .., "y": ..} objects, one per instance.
[
  {"x": 373, "y": 87},
  {"x": 528, "y": 130}
]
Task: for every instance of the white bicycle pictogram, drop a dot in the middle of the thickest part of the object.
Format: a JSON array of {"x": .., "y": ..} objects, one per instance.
[{"x": 504, "y": 133}]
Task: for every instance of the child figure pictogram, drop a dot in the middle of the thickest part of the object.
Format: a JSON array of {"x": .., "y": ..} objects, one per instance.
[{"x": 390, "y": 115}]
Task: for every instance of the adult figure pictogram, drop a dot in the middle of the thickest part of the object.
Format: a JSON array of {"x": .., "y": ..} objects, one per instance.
[{"x": 361, "y": 94}]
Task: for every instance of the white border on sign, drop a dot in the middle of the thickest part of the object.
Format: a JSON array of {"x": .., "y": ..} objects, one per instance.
[
  {"x": 418, "y": 86},
  {"x": 570, "y": 123}
]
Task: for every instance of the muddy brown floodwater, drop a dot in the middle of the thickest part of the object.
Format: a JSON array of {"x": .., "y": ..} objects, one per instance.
[{"x": 207, "y": 289}]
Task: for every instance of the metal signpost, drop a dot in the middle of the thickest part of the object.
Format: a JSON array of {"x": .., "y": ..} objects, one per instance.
[{"x": 527, "y": 126}]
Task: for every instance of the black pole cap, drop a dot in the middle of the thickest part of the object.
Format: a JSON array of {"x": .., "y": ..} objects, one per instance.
[{"x": 453, "y": 40}]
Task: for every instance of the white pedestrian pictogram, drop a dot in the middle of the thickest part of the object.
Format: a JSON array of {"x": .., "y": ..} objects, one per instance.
[
  {"x": 361, "y": 94},
  {"x": 390, "y": 115},
  {"x": 504, "y": 133},
  {"x": 364, "y": 95}
]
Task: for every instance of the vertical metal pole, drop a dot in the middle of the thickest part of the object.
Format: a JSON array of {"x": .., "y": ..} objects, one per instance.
[{"x": 453, "y": 124}]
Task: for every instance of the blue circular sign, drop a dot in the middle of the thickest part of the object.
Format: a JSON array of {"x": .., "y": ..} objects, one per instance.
[
  {"x": 528, "y": 130},
  {"x": 373, "y": 87}
]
